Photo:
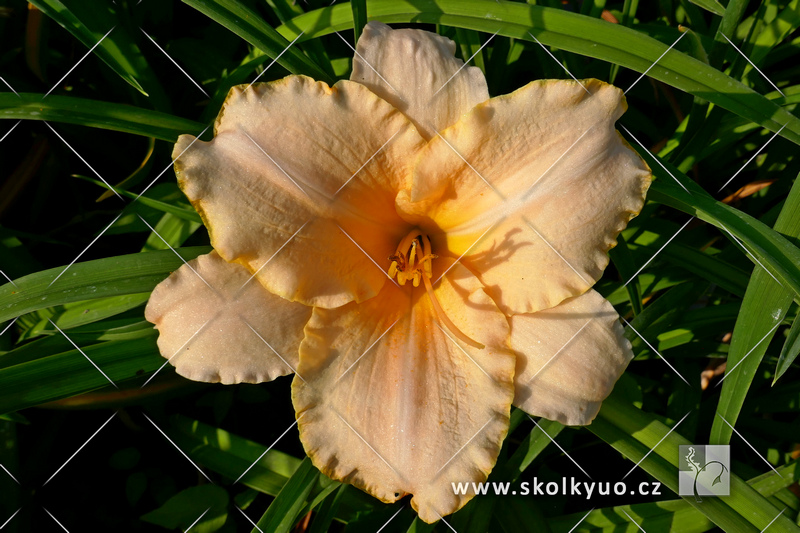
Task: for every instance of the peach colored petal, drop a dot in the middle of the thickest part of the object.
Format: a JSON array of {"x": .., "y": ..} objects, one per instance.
[
  {"x": 391, "y": 402},
  {"x": 533, "y": 189},
  {"x": 295, "y": 168},
  {"x": 416, "y": 71},
  {"x": 568, "y": 358},
  {"x": 215, "y": 326}
]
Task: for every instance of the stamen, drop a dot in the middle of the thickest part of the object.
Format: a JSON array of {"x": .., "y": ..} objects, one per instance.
[
  {"x": 427, "y": 256},
  {"x": 412, "y": 254},
  {"x": 405, "y": 244},
  {"x": 444, "y": 318},
  {"x": 405, "y": 265}
]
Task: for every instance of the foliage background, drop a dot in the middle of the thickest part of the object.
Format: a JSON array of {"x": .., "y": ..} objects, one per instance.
[{"x": 715, "y": 265}]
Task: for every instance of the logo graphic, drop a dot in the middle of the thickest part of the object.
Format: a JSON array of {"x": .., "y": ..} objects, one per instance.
[{"x": 704, "y": 471}]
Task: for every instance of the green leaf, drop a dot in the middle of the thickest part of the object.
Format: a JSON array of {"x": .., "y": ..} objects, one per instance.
[
  {"x": 770, "y": 248},
  {"x": 183, "y": 510},
  {"x": 282, "y": 513},
  {"x": 790, "y": 350},
  {"x": 640, "y": 437},
  {"x": 765, "y": 305},
  {"x": 621, "y": 257},
  {"x": 185, "y": 213},
  {"x": 516, "y": 515},
  {"x": 570, "y": 32},
  {"x": 89, "y": 22},
  {"x": 323, "y": 518},
  {"x": 173, "y": 230},
  {"x": 775, "y": 32},
  {"x": 96, "y": 114},
  {"x": 530, "y": 448},
  {"x": 70, "y": 373},
  {"x": 710, "y": 5},
  {"x": 248, "y": 25},
  {"x": 359, "y": 8},
  {"x": 669, "y": 515},
  {"x": 114, "y": 276},
  {"x": 234, "y": 457},
  {"x": 76, "y": 314}
]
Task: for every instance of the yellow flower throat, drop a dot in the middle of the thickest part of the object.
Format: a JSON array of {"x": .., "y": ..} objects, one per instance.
[{"x": 413, "y": 261}]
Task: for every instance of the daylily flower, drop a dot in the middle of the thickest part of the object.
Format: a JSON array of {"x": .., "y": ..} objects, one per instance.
[{"x": 419, "y": 254}]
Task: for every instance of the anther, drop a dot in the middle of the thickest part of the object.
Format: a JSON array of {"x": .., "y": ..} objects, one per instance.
[{"x": 406, "y": 265}]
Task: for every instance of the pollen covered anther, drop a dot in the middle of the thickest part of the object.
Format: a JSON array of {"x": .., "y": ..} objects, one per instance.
[{"x": 409, "y": 263}]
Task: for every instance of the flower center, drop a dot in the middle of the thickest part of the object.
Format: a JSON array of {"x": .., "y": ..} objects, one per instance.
[{"x": 413, "y": 261}]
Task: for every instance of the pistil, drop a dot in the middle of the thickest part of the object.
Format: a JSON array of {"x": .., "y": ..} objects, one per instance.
[{"x": 408, "y": 263}]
